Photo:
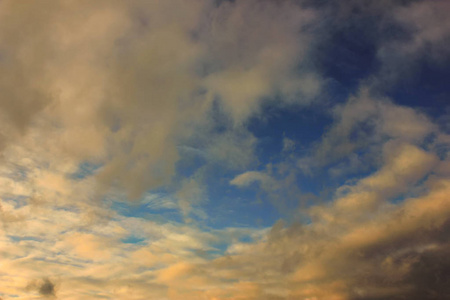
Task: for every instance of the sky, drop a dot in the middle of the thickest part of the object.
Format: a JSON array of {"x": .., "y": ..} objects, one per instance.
[{"x": 225, "y": 150}]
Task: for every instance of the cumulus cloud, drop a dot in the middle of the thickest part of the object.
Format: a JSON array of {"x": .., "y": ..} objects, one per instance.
[
  {"x": 363, "y": 245},
  {"x": 365, "y": 253},
  {"x": 104, "y": 102},
  {"x": 366, "y": 244}
]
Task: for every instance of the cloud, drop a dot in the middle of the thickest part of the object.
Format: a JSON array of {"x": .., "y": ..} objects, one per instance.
[
  {"x": 250, "y": 177},
  {"x": 190, "y": 194},
  {"x": 104, "y": 102},
  {"x": 123, "y": 87},
  {"x": 244, "y": 48},
  {"x": 233, "y": 149},
  {"x": 90, "y": 246},
  {"x": 422, "y": 35},
  {"x": 404, "y": 166},
  {"x": 366, "y": 244},
  {"x": 430, "y": 29},
  {"x": 47, "y": 288},
  {"x": 361, "y": 125},
  {"x": 351, "y": 258}
]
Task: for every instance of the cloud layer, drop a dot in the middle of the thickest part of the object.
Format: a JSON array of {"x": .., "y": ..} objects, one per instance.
[{"x": 138, "y": 141}]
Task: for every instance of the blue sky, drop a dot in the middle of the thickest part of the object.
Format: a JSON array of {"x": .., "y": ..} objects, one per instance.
[{"x": 224, "y": 150}]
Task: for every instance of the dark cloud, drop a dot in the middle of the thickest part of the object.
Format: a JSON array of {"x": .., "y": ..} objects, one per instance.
[
  {"x": 430, "y": 275},
  {"x": 428, "y": 278},
  {"x": 47, "y": 288},
  {"x": 415, "y": 266}
]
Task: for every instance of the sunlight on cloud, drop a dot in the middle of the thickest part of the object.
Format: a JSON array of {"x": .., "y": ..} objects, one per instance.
[{"x": 223, "y": 150}]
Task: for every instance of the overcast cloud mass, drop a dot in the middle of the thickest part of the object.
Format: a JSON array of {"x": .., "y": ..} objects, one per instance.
[{"x": 224, "y": 150}]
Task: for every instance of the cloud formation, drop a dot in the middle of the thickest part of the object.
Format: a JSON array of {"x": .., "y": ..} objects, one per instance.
[
  {"x": 175, "y": 150},
  {"x": 47, "y": 288}
]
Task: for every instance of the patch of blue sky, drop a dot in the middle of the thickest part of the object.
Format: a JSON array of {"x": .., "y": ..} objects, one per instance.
[
  {"x": 16, "y": 238},
  {"x": 240, "y": 208},
  {"x": 59, "y": 260},
  {"x": 192, "y": 158},
  {"x": 349, "y": 48},
  {"x": 66, "y": 208},
  {"x": 418, "y": 189},
  {"x": 246, "y": 239},
  {"x": 19, "y": 174},
  {"x": 358, "y": 164},
  {"x": 230, "y": 235},
  {"x": 302, "y": 125},
  {"x": 210, "y": 253},
  {"x": 430, "y": 82},
  {"x": 227, "y": 205},
  {"x": 442, "y": 150},
  {"x": 155, "y": 207},
  {"x": 17, "y": 201},
  {"x": 85, "y": 169},
  {"x": 158, "y": 201},
  {"x": 248, "y": 206},
  {"x": 350, "y": 58},
  {"x": 132, "y": 239}
]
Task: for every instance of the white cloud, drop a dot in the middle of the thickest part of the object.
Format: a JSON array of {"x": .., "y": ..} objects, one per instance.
[{"x": 250, "y": 177}]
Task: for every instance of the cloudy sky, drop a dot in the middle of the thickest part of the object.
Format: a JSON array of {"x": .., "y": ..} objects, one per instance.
[{"x": 224, "y": 150}]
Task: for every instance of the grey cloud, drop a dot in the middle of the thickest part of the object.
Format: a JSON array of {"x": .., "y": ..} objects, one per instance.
[
  {"x": 47, "y": 288},
  {"x": 25, "y": 50},
  {"x": 426, "y": 34},
  {"x": 427, "y": 277}
]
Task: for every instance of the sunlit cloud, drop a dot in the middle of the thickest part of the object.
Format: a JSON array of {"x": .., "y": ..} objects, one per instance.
[{"x": 224, "y": 150}]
